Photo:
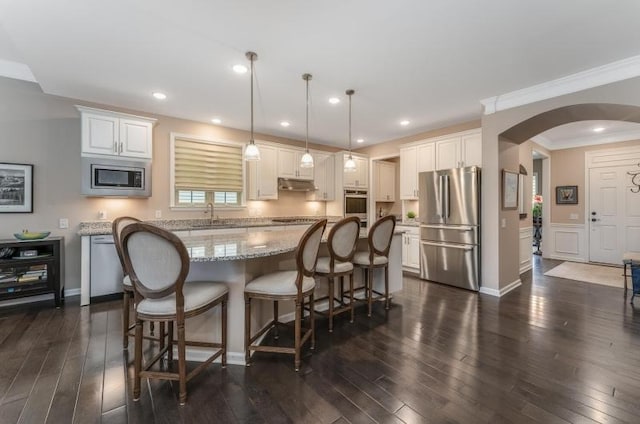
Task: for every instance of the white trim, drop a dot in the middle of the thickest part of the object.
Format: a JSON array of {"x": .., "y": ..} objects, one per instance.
[
  {"x": 504, "y": 290},
  {"x": 474, "y": 131},
  {"x": 526, "y": 239},
  {"x": 559, "y": 225},
  {"x": 595, "y": 77},
  {"x": 83, "y": 109},
  {"x": 72, "y": 292},
  {"x": 590, "y": 140},
  {"x": 16, "y": 70},
  {"x": 576, "y": 253}
]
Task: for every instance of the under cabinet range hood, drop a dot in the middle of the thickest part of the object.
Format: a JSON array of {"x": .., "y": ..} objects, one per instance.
[{"x": 289, "y": 184}]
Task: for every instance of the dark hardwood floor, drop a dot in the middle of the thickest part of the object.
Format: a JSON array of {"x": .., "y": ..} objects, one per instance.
[{"x": 552, "y": 351}]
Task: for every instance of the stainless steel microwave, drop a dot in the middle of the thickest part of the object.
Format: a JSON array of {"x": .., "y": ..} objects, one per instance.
[{"x": 115, "y": 177}]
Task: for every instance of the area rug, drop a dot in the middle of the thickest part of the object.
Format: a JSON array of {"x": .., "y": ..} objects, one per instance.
[{"x": 596, "y": 274}]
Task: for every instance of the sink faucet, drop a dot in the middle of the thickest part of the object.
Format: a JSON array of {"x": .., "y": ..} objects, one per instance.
[{"x": 210, "y": 210}]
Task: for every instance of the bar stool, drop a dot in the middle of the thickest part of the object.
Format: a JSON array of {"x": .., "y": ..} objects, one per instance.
[
  {"x": 127, "y": 289},
  {"x": 293, "y": 285},
  {"x": 377, "y": 256},
  {"x": 627, "y": 260},
  {"x": 342, "y": 246},
  {"x": 158, "y": 263}
]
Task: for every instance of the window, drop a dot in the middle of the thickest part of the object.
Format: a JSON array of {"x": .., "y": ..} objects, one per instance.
[
  {"x": 535, "y": 183},
  {"x": 206, "y": 171}
]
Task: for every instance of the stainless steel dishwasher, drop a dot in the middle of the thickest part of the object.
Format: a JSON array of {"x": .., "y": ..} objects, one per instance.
[{"x": 106, "y": 272}]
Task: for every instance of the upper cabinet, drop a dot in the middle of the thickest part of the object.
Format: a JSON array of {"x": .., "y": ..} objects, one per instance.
[
  {"x": 413, "y": 160},
  {"x": 324, "y": 177},
  {"x": 385, "y": 181},
  {"x": 289, "y": 164},
  {"x": 459, "y": 150},
  {"x": 263, "y": 177},
  {"x": 115, "y": 134},
  {"x": 359, "y": 178}
]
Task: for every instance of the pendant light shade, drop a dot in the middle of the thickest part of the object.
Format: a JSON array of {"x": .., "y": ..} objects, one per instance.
[
  {"x": 350, "y": 164},
  {"x": 251, "y": 152},
  {"x": 307, "y": 160}
]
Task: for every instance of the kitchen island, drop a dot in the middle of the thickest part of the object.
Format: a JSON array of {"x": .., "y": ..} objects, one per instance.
[{"x": 236, "y": 259}]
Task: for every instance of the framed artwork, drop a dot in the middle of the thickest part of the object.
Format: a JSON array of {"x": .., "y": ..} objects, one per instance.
[
  {"x": 509, "y": 189},
  {"x": 16, "y": 188},
  {"x": 567, "y": 195}
]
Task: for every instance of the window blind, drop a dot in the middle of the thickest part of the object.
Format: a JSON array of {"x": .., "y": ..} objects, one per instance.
[{"x": 207, "y": 166}]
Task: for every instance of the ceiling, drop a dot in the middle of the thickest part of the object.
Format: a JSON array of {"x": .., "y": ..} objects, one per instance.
[
  {"x": 581, "y": 133},
  {"x": 429, "y": 62}
]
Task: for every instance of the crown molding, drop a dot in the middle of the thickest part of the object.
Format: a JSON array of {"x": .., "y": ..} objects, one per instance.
[
  {"x": 568, "y": 143},
  {"x": 601, "y": 75},
  {"x": 16, "y": 70}
]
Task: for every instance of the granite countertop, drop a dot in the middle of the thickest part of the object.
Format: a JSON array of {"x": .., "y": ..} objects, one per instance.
[
  {"x": 231, "y": 247},
  {"x": 95, "y": 228}
]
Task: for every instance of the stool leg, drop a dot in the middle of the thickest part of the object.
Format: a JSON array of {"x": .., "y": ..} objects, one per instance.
[
  {"x": 275, "y": 320},
  {"x": 625, "y": 279},
  {"x": 331, "y": 295},
  {"x": 351, "y": 295},
  {"x": 137, "y": 362},
  {"x": 370, "y": 291},
  {"x": 125, "y": 318},
  {"x": 224, "y": 333},
  {"x": 298, "y": 325},
  {"x": 163, "y": 332},
  {"x": 170, "y": 341},
  {"x": 247, "y": 329},
  {"x": 182, "y": 366},
  {"x": 312, "y": 321},
  {"x": 386, "y": 288}
]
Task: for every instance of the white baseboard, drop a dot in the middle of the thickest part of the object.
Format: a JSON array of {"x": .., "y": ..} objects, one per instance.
[
  {"x": 565, "y": 258},
  {"x": 504, "y": 290},
  {"x": 72, "y": 292}
]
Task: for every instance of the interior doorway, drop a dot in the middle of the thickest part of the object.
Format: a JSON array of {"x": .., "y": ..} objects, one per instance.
[{"x": 541, "y": 210}]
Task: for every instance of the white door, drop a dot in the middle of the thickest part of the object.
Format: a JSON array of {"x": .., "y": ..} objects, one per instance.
[{"x": 614, "y": 214}]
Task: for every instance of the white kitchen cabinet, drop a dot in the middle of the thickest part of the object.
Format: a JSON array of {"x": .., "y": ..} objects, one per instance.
[
  {"x": 324, "y": 177},
  {"x": 471, "y": 145},
  {"x": 289, "y": 165},
  {"x": 459, "y": 150},
  {"x": 410, "y": 248},
  {"x": 115, "y": 134},
  {"x": 413, "y": 160},
  {"x": 359, "y": 178},
  {"x": 385, "y": 181},
  {"x": 263, "y": 175}
]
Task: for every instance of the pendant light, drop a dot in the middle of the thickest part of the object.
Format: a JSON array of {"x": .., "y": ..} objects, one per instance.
[
  {"x": 307, "y": 160},
  {"x": 251, "y": 152},
  {"x": 350, "y": 164}
]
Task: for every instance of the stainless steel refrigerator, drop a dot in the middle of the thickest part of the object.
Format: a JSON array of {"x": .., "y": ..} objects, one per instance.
[{"x": 450, "y": 226}]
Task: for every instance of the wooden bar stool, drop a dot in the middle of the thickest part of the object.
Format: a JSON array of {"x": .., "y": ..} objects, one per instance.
[
  {"x": 342, "y": 246},
  {"x": 377, "y": 256},
  {"x": 293, "y": 285},
  {"x": 158, "y": 263}
]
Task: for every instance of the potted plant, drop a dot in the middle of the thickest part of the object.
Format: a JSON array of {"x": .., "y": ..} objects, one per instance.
[
  {"x": 411, "y": 216},
  {"x": 537, "y": 207}
]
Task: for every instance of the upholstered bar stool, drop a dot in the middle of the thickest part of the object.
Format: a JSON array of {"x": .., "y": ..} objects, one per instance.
[
  {"x": 158, "y": 263},
  {"x": 377, "y": 256},
  {"x": 342, "y": 246},
  {"x": 293, "y": 285},
  {"x": 127, "y": 289}
]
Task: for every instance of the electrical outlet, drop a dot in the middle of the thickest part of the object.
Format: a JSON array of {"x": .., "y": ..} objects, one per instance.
[
  {"x": 102, "y": 214},
  {"x": 158, "y": 213},
  {"x": 64, "y": 223}
]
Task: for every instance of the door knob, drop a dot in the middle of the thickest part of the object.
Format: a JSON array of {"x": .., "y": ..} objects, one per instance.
[
  {"x": 594, "y": 219},
  {"x": 593, "y": 213}
]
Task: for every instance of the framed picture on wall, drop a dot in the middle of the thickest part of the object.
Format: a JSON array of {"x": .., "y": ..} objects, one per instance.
[
  {"x": 16, "y": 188},
  {"x": 567, "y": 195},
  {"x": 509, "y": 189}
]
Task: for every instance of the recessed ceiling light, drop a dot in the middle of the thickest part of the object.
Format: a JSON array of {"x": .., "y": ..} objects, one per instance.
[
  {"x": 217, "y": 121},
  {"x": 334, "y": 100},
  {"x": 160, "y": 96},
  {"x": 598, "y": 129},
  {"x": 240, "y": 69},
  {"x": 285, "y": 124},
  {"x": 360, "y": 140},
  {"x": 404, "y": 123}
]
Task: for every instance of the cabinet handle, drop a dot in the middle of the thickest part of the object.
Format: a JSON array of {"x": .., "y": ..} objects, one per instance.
[{"x": 115, "y": 147}]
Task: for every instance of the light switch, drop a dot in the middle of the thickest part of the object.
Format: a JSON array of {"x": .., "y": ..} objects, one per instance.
[
  {"x": 573, "y": 216},
  {"x": 503, "y": 223},
  {"x": 64, "y": 223}
]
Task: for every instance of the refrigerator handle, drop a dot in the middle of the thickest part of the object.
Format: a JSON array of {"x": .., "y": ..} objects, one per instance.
[
  {"x": 445, "y": 197},
  {"x": 440, "y": 196}
]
